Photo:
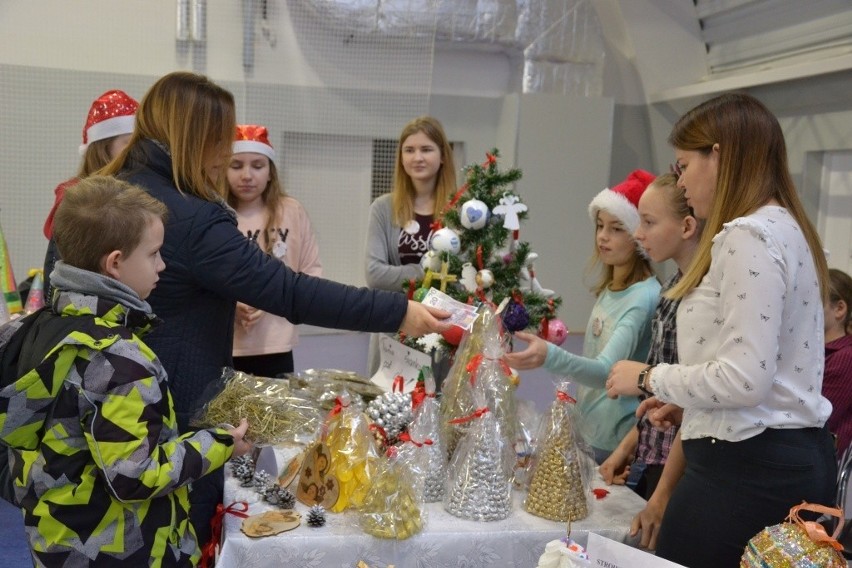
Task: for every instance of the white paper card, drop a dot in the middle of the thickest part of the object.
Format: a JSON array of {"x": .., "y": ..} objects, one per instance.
[
  {"x": 604, "y": 552},
  {"x": 398, "y": 359}
]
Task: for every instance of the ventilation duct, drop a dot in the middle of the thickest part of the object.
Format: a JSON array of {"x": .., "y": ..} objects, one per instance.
[{"x": 560, "y": 40}]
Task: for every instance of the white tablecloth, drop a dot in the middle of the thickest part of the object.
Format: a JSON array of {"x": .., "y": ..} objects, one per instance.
[{"x": 446, "y": 541}]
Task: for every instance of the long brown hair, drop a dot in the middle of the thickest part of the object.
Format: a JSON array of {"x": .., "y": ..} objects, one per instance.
[
  {"x": 95, "y": 157},
  {"x": 192, "y": 116},
  {"x": 752, "y": 171},
  {"x": 403, "y": 187}
]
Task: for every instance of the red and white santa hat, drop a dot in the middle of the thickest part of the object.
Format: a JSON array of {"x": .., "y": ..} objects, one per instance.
[
  {"x": 622, "y": 200},
  {"x": 253, "y": 138},
  {"x": 112, "y": 114}
]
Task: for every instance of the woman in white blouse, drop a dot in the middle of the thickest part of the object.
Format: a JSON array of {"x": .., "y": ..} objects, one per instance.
[{"x": 750, "y": 341}]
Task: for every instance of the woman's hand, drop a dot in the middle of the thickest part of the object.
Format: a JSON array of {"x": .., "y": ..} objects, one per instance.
[
  {"x": 247, "y": 316},
  {"x": 531, "y": 357},
  {"x": 666, "y": 416},
  {"x": 648, "y": 522},
  {"x": 241, "y": 446},
  {"x": 420, "y": 320},
  {"x": 623, "y": 379}
]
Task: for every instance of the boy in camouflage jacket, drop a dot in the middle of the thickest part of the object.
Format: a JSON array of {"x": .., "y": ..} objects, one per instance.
[{"x": 99, "y": 469}]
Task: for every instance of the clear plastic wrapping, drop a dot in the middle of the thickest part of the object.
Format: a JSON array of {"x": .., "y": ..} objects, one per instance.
[
  {"x": 559, "y": 470},
  {"x": 429, "y": 457},
  {"x": 274, "y": 412},
  {"x": 352, "y": 453},
  {"x": 392, "y": 507}
]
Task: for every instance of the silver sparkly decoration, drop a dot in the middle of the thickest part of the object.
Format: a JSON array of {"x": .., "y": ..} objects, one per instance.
[
  {"x": 391, "y": 411},
  {"x": 478, "y": 487}
]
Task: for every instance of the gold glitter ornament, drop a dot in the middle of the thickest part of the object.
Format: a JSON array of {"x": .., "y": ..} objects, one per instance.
[
  {"x": 391, "y": 508},
  {"x": 352, "y": 452},
  {"x": 795, "y": 544},
  {"x": 556, "y": 488}
]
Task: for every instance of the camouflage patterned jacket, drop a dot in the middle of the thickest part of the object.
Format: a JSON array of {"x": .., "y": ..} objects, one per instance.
[{"x": 100, "y": 471}]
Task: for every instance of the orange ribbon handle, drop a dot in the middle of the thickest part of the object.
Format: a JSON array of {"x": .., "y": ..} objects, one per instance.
[
  {"x": 209, "y": 550},
  {"x": 476, "y": 414},
  {"x": 815, "y": 531}
]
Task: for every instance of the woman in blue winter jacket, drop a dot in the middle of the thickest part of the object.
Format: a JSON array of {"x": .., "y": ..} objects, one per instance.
[{"x": 181, "y": 143}]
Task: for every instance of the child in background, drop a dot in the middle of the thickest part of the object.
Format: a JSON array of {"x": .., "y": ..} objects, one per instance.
[
  {"x": 400, "y": 227},
  {"x": 106, "y": 133},
  {"x": 263, "y": 343},
  {"x": 620, "y": 324},
  {"x": 837, "y": 379},
  {"x": 100, "y": 470}
]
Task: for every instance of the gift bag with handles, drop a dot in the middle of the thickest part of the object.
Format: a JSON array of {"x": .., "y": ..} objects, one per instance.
[{"x": 796, "y": 543}]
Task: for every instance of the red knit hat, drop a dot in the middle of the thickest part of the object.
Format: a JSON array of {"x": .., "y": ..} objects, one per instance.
[
  {"x": 623, "y": 199},
  {"x": 253, "y": 138},
  {"x": 112, "y": 114}
]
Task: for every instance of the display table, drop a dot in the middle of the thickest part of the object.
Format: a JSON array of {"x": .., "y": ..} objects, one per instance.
[{"x": 446, "y": 541}]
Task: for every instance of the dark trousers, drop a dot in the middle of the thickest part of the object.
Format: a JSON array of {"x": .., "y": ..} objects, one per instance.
[
  {"x": 271, "y": 365},
  {"x": 731, "y": 491}
]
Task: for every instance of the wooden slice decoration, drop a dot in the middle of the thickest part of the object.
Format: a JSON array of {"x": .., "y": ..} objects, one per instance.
[
  {"x": 291, "y": 470},
  {"x": 271, "y": 522},
  {"x": 316, "y": 485}
]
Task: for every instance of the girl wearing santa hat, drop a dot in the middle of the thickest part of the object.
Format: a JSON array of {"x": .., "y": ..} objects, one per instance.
[
  {"x": 180, "y": 146},
  {"x": 400, "y": 226},
  {"x": 106, "y": 133},
  {"x": 279, "y": 225},
  {"x": 620, "y": 323}
]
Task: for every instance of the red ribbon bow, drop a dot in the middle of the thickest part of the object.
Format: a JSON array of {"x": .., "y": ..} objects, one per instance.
[
  {"x": 398, "y": 383},
  {"x": 209, "y": 550},
  {"x": 419, "y": 394},
  {"x": 565, "y": 397},
  {"x": 476, "y": 414},
  {"x": 406, "y": 437}
]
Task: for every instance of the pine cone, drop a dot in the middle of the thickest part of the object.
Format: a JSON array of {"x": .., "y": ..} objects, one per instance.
[
  {"x": 316, "y": 516},
  {"x": 280, "y": 496},
  {"x": 261, "y": 481}
]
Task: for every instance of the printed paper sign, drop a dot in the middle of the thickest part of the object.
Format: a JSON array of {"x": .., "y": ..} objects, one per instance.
[
  {"x": 607, "y": 553},
  {"x": 398, "y": 359},
  {"x": 461, "y": 314}
]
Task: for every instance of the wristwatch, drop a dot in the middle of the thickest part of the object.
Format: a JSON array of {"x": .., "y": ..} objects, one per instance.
[{"x": 642, "y": 383}]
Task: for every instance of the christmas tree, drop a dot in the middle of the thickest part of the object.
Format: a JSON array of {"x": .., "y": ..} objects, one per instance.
[{"x": 477, "y": 256}]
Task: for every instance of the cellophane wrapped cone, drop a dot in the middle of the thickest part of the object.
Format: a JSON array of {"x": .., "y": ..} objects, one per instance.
[
  {"x": 558, "y": 485},
  {"x": 392, "y": 507},
  {"x": 490, "y": 375},
  {"x": 479, "y": 481},
  {"x": 275, "y": 413},
  {"x": 427, "y": 447},
  {"x": 352, "y": 454},
  {"x": 456, "y": 396}
]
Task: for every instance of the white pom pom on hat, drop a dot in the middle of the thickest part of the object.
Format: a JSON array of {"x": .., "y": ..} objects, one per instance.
[{"x": 622, "y": 200}]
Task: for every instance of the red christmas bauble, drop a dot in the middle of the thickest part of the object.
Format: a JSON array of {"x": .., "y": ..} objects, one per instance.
[{"x": 453, "y": 336}]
